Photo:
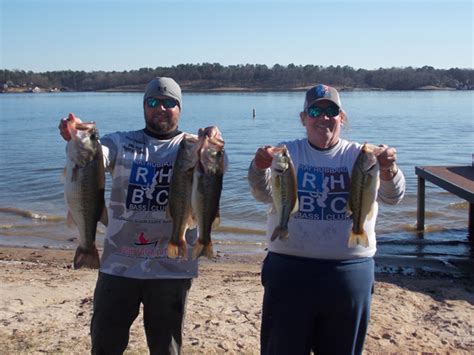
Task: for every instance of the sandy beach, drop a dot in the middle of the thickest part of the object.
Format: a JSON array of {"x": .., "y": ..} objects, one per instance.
[{"x": 46, "y": 308}]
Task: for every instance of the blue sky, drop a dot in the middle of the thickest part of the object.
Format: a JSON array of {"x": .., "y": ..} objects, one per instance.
[{"x": 48, "y": 35}]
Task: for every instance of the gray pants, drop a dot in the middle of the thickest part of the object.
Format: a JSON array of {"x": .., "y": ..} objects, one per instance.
[{"x": 117, "y": 303}]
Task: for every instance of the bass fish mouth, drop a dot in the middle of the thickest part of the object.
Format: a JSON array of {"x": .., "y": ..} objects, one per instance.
[
  {"x": 84, "y": 126},
  {"x": 216, "y": 141},
  {"x": 372, "y": 167}
]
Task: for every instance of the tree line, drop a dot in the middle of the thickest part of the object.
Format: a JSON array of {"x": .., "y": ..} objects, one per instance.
[{"x": 207, "y": 76}]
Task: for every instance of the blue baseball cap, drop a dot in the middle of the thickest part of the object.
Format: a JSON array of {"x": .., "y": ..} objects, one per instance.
[{"x": 321, "y": 92}]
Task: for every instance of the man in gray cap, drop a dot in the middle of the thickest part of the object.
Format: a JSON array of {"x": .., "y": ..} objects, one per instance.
[
  {"x": 134, "y": 267},
  {"x": 167, "y": 92}
]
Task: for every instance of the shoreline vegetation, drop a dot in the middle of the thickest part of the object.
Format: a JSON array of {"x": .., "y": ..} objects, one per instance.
[
  {"x": 261, "y": 89},
  {"x": 214, "y": 77},
  {"x": 141, "y": 89}
]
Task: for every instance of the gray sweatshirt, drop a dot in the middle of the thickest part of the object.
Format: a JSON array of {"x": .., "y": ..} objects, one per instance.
[{"x": 139, "y": 229}]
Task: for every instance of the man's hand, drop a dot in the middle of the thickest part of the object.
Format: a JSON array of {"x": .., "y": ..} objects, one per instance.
[
  {"x": 211, "y": 132},
  {"x": 64, "y": 127},
  {"x": 387, "y": 157},
  {"x": 264, "y": 156}
]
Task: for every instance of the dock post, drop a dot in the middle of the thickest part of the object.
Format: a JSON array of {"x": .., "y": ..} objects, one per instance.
[
  {"x": 420, "y": 212},
  {"x": 471, "y": 222}
]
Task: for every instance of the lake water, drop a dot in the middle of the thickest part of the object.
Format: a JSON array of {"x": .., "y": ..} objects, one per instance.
[{"x": 427, "y": 128}]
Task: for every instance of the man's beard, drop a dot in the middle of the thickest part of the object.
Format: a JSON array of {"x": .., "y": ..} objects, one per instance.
[{"x": 160, "y": 126}]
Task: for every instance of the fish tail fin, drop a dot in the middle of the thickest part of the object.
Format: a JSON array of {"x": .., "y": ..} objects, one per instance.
[
  {"x": 87, "y": 257},
  {"x": 280, "y": 232},
  {"x": 172, "y": 251},
  {"x": 358, "y": 239},
  {"x": 208, "y": 251},
  {"x": 177, "y": 250},
  {"x": 201, "y": 249}
]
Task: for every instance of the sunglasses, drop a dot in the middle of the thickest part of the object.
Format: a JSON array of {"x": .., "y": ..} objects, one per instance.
[
  {"x": 167, "y": 103},
  {"x": 330, "y": 111}
]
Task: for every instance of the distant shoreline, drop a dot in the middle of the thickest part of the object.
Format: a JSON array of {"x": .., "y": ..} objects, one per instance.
[{"x": 218, "y": 90}]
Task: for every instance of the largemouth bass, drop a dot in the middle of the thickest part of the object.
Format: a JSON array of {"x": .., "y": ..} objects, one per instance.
[
  {"x": 84, "y": 189},
  {"x": 362, "y": 194},
  {"x": 207, "y": 187},
  {"x": 284, "y": 191},
  {"x": 179, "y": 206}
]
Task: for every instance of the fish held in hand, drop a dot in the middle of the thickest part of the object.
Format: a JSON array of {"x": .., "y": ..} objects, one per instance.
[
  {"x": 207, "y": 188},
  {"x": 362, "y": 194},
  {"x": 179, "y": 206},
  {"x": 84, "y": 186},
  {"x": 284, "y": 191}
]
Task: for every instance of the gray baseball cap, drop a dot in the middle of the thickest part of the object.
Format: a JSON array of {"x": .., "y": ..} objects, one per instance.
[
  {"x": 164, "y": 87},
  {"x": 321, "y": 92}
]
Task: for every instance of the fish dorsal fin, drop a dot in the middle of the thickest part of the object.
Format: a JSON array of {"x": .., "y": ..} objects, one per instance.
[
  {"x": 167, "y": 211},
  {"x": 74, "y": 173},
  {"x": 217, "y": 221},
  {"x": 69, "y": 220},
  {"x": 295, "y": 206},
  {"x": 104, "y": 217},
  {"x": 371, "y": 212},
  {"x": 62, "y": 178},
  {"x": 271, "y": 209},
  {"x": 348, "y": 210}
]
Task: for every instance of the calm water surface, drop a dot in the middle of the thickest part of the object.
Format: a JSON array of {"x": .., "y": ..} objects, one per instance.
[{"x": 427, "y": 128}]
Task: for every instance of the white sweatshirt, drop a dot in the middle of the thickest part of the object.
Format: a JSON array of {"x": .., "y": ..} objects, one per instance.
[{"x": 321, "y": 228}]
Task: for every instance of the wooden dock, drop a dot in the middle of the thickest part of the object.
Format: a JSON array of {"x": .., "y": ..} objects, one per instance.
[{"x": 458, "y": 180}]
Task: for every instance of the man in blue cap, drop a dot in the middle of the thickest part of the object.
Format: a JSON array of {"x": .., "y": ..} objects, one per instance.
[{"x": 317, "y": 283}]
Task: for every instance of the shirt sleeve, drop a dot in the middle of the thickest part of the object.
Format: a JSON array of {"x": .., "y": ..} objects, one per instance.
[
  {"x": 392, "y": 191},
  {"x": 260, "y": 183},
  {"x": 109, "y": 151}
]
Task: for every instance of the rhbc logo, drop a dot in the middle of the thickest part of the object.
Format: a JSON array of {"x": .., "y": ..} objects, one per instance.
[{"x": 148, "y": 186}]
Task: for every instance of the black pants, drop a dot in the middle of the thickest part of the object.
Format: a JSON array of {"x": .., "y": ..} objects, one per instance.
[
  {"x": 117, "y": 303},
  {"x": 318, "y": 305}
]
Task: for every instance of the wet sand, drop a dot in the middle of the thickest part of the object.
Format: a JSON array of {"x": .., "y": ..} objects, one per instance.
[{"x": 46, "y": 308}]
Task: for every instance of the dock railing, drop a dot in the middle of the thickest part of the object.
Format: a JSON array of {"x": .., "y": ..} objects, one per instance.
[{"x": 458, "y": 180}]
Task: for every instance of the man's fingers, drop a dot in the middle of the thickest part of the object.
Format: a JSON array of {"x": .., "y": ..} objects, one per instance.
[
  {"x": 211, "y": 132},
  {"x": 387, "y": 156},
  {"x": 63, "y": 126},
  {"x": 264, "y": 156}
]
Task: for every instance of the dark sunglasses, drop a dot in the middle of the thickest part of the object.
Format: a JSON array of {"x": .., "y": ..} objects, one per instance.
[
  {"x": 167, "y": 103},
  {"x": 330, "y": 111}
]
